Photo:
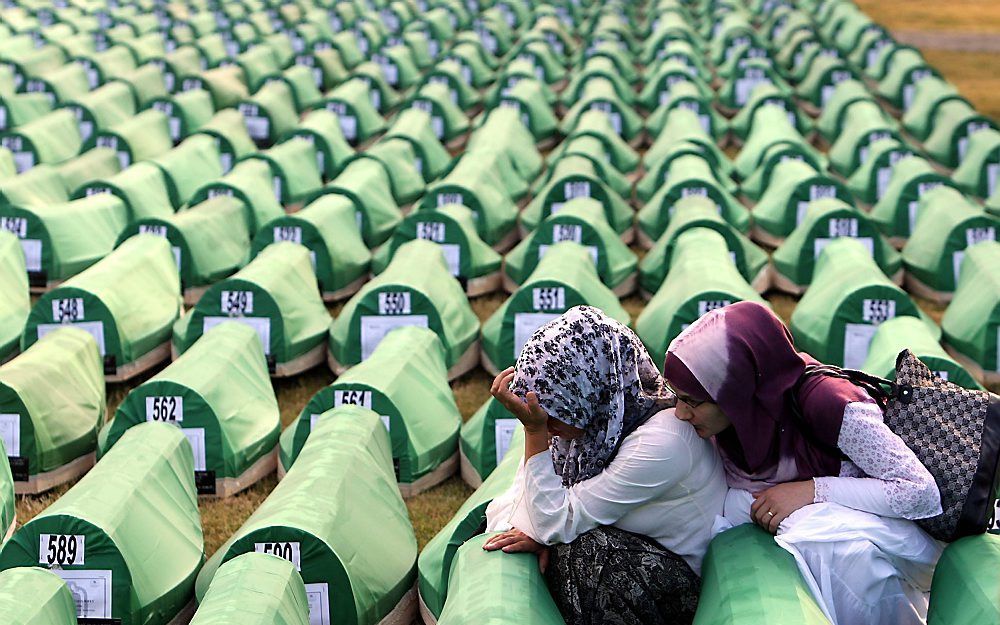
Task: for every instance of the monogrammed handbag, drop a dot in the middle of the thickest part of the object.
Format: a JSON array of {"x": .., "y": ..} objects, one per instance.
[{"x": 954, "y": 431}]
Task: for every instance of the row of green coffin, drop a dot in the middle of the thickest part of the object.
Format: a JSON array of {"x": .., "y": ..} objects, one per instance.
[
  {"x": 277, "y": 286},
  {"x": 97, "y": 536},
  {"x": 851, "y": 306}
]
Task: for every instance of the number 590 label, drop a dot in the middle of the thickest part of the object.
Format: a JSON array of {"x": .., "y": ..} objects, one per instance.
[
  {"x": 62, "y": 549},
  {"x": 286, "y": 550}
]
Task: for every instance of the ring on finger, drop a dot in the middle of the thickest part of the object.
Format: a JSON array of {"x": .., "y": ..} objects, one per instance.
[{"x": 770, "y": 513}]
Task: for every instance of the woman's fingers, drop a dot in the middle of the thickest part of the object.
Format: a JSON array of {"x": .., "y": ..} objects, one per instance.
[
  {"x": 775, "y": 521},
  {"x": 502, "y": 540},
  {"x": 506, "y": 373},
  {"x": 521, "y": 544}
]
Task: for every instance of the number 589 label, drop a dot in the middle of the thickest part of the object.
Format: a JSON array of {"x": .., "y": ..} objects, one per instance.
[
  {"x": 61, "y": 549},
  {"x": 285, "y": 550}
]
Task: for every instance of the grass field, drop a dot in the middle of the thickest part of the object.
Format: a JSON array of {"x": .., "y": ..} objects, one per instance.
[{"x": 976, "y": 74}]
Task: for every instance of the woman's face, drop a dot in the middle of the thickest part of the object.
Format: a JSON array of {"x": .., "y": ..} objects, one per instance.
[
  {"x": 563, "y": 430},
  {"x": 706, "y": 417}
]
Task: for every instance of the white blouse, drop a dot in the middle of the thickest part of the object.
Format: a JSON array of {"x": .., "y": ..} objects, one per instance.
[
  {"x": 665, "y": 483},
  {"x": 883, "y": 476}
]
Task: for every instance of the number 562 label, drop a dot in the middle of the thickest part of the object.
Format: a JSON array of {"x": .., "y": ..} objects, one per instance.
[{"x": 62, "y": 549}]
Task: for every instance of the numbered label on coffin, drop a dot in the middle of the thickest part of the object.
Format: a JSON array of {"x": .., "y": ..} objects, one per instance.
[
  {"x": 525, "y": 325},
  {"x": 61, "y": 549},
  {"x": 351, "y": 398},
  {"x": 437, "y": 232},
  {"x": 374, "y": 328},
  {"x": 165, "y": 409},
  {"x": 291, "y": 551}
]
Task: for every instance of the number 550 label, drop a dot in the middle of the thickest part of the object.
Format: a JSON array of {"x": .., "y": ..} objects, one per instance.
[{"x": 62, "y": 549}]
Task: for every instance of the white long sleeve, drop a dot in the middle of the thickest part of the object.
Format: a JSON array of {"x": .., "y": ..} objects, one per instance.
[
  {"x": 665, "y": 483},
  {"x": 884, "y": 476}
]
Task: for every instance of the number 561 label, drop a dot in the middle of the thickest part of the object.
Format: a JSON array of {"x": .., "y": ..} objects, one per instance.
[{"x": 62, "y": 549}]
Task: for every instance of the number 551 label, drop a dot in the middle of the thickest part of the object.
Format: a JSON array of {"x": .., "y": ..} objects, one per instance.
[{"x": 61, "y": 549}]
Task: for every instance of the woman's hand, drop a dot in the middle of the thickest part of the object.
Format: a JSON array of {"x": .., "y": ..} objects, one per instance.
[
  {"x": 774, "y": 505},
  {"x": 527, "y": 410},
  {"x": 516, "y": 541}
]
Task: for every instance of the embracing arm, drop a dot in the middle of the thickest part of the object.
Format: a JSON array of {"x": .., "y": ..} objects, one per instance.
[
  {"x": 648, "y": 464},
  {"x": 899, "y": 485}
]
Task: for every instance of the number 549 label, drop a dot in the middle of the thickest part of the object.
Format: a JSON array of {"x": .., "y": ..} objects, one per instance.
[{"x": 62, "y": 549}]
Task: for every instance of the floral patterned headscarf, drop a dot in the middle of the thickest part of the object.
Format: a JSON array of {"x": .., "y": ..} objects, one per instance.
[{"x": 594, "y": 373}]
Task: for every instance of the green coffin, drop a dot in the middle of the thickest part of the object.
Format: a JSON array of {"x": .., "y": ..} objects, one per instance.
[
  {"x": 220, "y": 395},
  {"x": 895, "y": 335},
  {"x": 972, "y": 320},
  {"x": 847, "y": 300},
  {"x": 16, "y": 304},
  {"x": 415, "y": 289},
  {"x": 275, "y": 294},
  {"x": 405, "y": 381},
  {"x": 702, "y": 278},
  {"x": 53, "y": 401},
  {"x": 96, "y": 536},
  {"x": 357, "y": 562},
  {"x": 256, "y": 589},
  {"x": 32, "y": 596}
]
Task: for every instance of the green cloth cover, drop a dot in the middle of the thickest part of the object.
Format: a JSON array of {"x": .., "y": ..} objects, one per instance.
[
  {"x": 256, "y": 589},
  {"x": 405, "y": 381},
  {"x": 275, "y": 294},
  {"x": 895, "y": 335},
  {"x": 747, "y": 579},
  {"x": 702, "y": 278},
  {"x": 142, "y": 488},
  {"x": 252, "y": 182},
  {"x": 824, "y": 221},
  {"x": 698, "y": 212},
  {"x": 971, "y": 322},
  {"x": 366, "y": 182},
  {"x": 16, "y": 303},
  {"x": 54, "y": 395},
  {"x": 219, "y": 392},
  {"x": 434, "y": 563},
  {"x": 357, "y": 560},
  {"x": 496, "y": 587},
  {"x": 327, "y": 227},
  {"x": 33, "y": 596},
  {"x": 582, "y": 220},
  {"x": 451, "y": 226},
  {"x": 415, "y": 289},
  {"x": 565, "y": 277},
  {"x": 142, "y": 187},
  {"x": 128, "y": 301},
  {"x": 965, "y": 581},
  {"x": 848, "y": 298}
]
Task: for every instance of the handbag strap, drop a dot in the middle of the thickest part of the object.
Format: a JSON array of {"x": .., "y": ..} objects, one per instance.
[{"x": 873, "y": 385}]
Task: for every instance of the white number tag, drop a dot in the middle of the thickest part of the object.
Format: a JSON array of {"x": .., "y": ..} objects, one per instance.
[
  {"x": 61, "y": 549},
  {"x": 694, "y": 192},
  {"x": 160, "y": 231},
  {"x": 290, "y": 551},
  {"x": 288, "y": 233},
  {"x": 10, "y": 434},
  {"x": 236, "y": 302},
  {"x": 15, "y": 225},
  {"x": 353, "y": 398},
  {"x": 875, "y": 311},
  {"x": 576, "y": 189},
  {"x": 978, "y": 235},
  {"x": 567, "y": 232},
  {"x": 431, "y": 231},
  {"x": 548, "y": 298},
  {"x": 67, "y": 310},
  {"x": 166, "y": 409},
  {"x": 503, "y": 432},
  {"x": 707, "y": 305},
  {"x": 822, "y": 191},
  {"x": 843, "y": 227},
  {"x": 394, "y": 303},
  {"x": 443, "y": 199}
]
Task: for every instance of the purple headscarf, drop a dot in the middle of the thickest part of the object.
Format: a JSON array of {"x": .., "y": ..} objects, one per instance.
[{"x": 742, "y": 358}]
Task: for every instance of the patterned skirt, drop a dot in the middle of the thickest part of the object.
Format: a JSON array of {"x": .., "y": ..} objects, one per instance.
[{"x": 609, "y": 576}]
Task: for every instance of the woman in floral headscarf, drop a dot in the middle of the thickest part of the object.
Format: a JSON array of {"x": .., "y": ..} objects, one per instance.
[
  {"x": 809, "y": 458},
  {"x": 623, "y": 491}
]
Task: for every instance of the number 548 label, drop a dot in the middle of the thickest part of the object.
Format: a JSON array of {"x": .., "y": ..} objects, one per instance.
[{"x": 62, "y": 549}]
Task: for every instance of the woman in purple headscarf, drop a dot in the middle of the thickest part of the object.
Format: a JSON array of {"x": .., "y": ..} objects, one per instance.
[{"x": 810, "y": 460}]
